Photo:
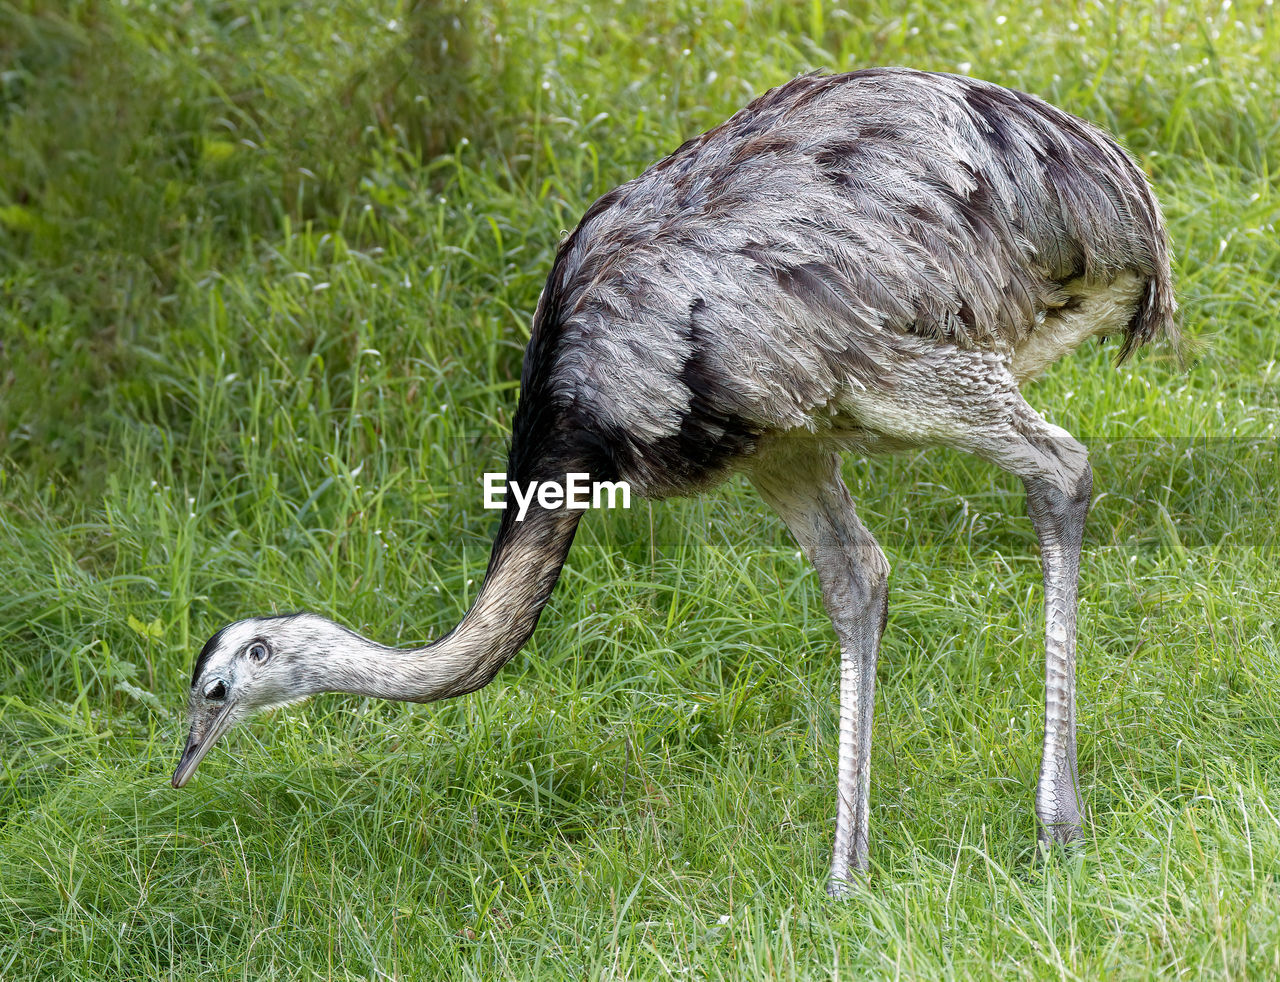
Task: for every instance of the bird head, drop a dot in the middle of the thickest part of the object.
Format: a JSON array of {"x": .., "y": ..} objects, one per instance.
[{"x": 246, "y": 668}]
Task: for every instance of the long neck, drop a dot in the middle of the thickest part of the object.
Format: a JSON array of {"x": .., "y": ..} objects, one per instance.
[{"x": 523, "y": 569}]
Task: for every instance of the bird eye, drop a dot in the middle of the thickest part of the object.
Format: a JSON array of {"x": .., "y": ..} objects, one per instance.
[
  {"x": 217, "y": 691},
  {"x": 258, "y": 651}
]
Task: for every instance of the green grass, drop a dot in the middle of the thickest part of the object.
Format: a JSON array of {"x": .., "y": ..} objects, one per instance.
[{"x": 266, "y": 273}]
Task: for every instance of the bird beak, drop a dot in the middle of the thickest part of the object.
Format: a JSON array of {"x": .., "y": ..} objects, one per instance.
[{"x": 205, "y": 730}]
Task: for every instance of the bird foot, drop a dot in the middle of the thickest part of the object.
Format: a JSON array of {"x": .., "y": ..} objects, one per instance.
[
  {"x": 846, "y": 884},
  {"x": 842, "y": 889},
  {"x": 1060, "y": 834}
]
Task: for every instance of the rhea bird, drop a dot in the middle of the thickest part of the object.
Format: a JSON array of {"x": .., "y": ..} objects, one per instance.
[{"x": 870, "y": 262}]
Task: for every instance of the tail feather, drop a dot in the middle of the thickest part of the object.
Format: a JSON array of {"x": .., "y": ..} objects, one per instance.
[{"x": 1156, "y": 315}]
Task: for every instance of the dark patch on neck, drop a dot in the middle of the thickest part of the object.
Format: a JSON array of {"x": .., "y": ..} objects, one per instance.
[{"x": 549, "y": 437}]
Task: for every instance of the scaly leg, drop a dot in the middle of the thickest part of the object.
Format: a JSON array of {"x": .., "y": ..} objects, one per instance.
[
  {"x": 1055, "y": 472},
  {"x": 970, "y": 400},
  {"x": 1058, "y": 516},
  {"x": 812, "y": 499}
]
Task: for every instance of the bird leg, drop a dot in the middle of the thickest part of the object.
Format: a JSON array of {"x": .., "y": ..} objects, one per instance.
[
  {"x": 1055, "y": 471},
  {"x": 810, "y": 495},
  {"x": 1058, "y": 516}
]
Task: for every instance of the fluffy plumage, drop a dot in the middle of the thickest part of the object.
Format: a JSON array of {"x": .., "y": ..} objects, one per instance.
[
  {"x": 744, "y": 283},
  {"x": 874, "y": 260}
]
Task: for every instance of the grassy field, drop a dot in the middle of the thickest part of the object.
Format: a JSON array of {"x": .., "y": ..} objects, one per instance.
[{"x": 266, "y": 273}]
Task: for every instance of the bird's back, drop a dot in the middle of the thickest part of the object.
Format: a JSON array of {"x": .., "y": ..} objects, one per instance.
[{"x": 831, "y": 230}]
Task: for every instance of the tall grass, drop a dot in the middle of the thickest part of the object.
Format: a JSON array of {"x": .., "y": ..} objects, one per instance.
[{"x": 266, "y": 273}]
